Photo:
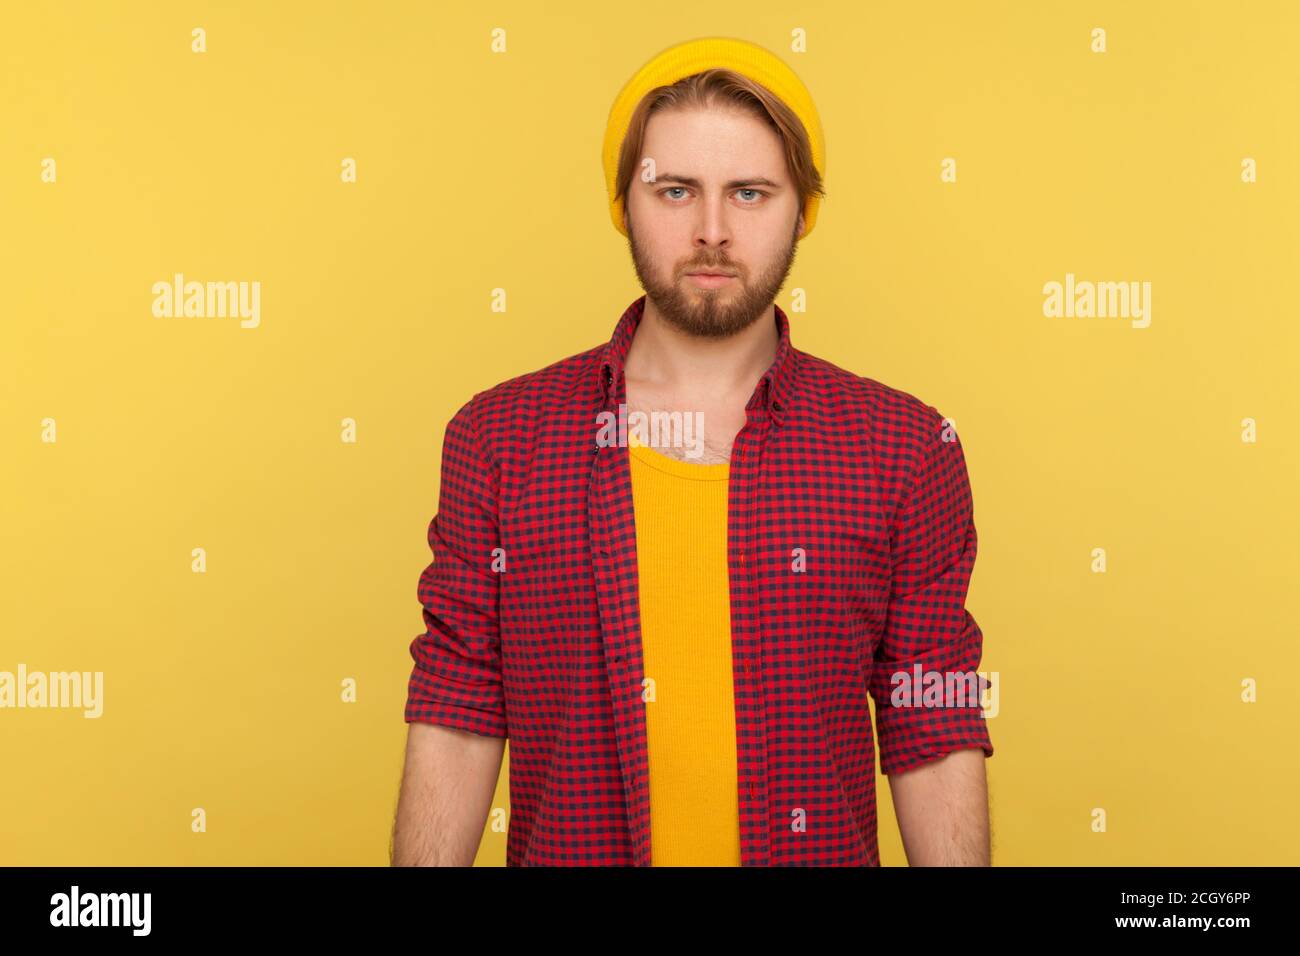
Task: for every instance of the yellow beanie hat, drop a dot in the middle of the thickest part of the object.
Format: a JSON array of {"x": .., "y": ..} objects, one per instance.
[{"x": 695, "y": 56}]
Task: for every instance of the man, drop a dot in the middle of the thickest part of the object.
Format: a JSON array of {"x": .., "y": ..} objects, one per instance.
[{"x": 679, "y": 635}]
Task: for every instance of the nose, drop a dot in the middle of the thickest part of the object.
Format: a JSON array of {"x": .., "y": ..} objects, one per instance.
[{"x": 712, "y": 228}]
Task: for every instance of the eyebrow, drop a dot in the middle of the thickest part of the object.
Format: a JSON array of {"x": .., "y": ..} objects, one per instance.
[{"x": 734, "y": 184}]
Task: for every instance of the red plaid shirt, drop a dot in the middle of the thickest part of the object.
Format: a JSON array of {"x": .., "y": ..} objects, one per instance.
[{"x": 852, "y": 543}]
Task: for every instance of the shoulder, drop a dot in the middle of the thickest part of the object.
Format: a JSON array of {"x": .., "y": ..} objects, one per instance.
[
  {"x": 890, "y": 417},
  {"x": 911, "y": 447},
  {"x": 522, "y": 401}
]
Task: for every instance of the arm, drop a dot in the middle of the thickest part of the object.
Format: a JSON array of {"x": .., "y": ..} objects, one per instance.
[
  {"x": 943, "y": 813},
  {"x": 933, "y": 737},
  {"x": 455, "y": 704},
  {"x": 446, "y": 794}
]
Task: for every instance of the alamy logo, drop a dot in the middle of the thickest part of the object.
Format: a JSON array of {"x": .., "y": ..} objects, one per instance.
[
  {"x": 956, "y": 689},
  {"x": 658, "y": 429},
  {"x": 208, "y": 300},
  {"x": 76, "y": 689},
  {"x": 102, "y": 909},
  {"x": 1098, "y": 300}
]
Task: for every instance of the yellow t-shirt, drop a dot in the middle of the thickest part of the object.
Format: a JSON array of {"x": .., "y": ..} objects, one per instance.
[{"x": 685, "y": 600}]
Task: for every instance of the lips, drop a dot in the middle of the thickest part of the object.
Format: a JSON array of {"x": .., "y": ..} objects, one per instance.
[{"x": 710, "y": 280}]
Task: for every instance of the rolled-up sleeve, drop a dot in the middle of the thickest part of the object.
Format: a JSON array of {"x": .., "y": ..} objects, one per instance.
[
  {"x": 928, "y": 631},
  {"x": 457, "y": 677}
]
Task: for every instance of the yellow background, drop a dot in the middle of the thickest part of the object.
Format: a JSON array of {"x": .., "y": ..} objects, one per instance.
[{"x": 479, "y": 171}]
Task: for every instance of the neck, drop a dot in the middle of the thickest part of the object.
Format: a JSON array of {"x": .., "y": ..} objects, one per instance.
[{"x": 665, "y": 357}]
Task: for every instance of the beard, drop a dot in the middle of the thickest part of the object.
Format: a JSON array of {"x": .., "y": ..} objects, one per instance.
[{"x": 712, "y": 313}]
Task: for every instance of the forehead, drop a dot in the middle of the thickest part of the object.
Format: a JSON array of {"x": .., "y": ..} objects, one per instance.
[{"x": 716, "y": 141}]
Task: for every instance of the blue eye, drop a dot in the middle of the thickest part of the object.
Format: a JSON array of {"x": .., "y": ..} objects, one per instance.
[{"x": 757, "y": 193}]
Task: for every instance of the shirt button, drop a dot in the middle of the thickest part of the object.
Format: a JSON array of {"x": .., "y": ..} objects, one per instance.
[{"x": 742, "y": 557}]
